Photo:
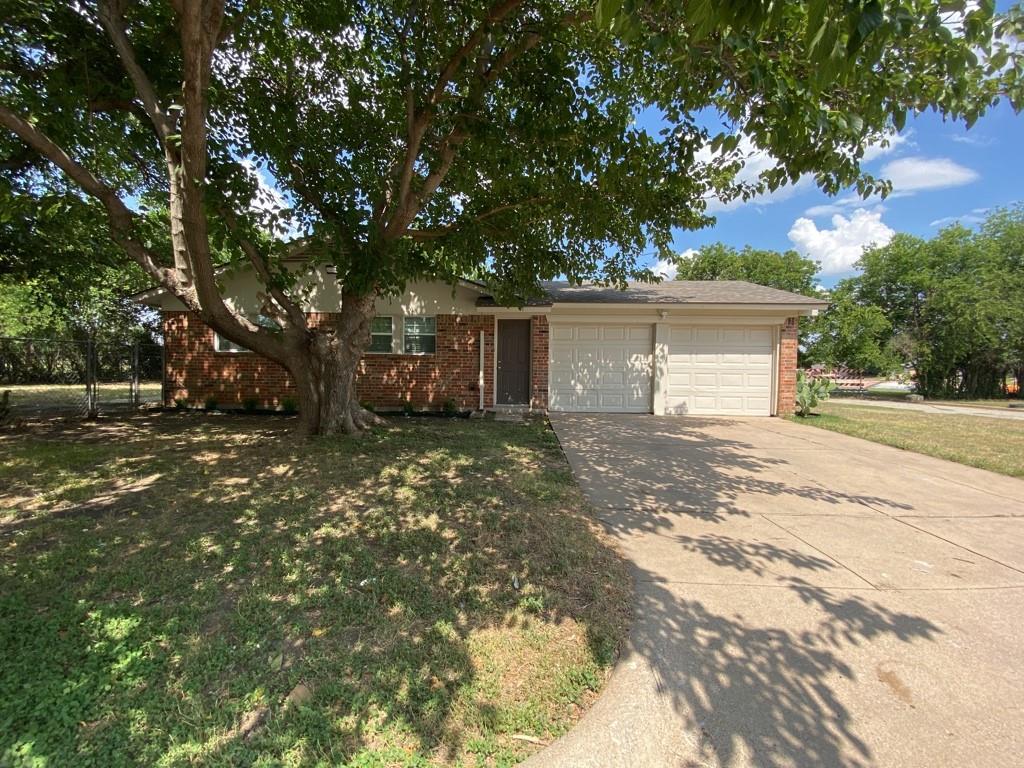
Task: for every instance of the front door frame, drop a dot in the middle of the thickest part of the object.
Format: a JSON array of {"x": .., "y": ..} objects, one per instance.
[{"x": 529, "y": 374}]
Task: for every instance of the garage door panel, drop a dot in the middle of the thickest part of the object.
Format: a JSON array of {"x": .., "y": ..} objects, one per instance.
[
  {"x": 723, "y": 370},
  {"x": 614, "y": 333},
  {"x": 640, "y": 333},
  {"x": 601, "y": 368},
  {"x": 561, "y": 333}
]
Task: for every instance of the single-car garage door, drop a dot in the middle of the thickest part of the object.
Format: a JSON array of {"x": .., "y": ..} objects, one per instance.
[
  {"x": 600, "y": 368},
  {"x": 719, "y": 370}
]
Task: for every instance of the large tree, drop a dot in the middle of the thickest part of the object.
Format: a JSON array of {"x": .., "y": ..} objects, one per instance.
[{"x": 489, "y": 138}]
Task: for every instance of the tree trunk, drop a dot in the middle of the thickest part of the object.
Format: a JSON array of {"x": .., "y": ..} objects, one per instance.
[{"x": 325, "y": 372}]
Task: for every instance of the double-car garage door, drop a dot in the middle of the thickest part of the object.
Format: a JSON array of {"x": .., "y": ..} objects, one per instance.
[{"x": 710, "y": 369}]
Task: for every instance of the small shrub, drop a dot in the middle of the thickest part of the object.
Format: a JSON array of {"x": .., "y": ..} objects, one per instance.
[
  {"x": 210, "y": 404},
  {"x": 250, "y": 404},
  {"x": 407, "y": 407},
  {"x": 450, "y": 407},
  {"x": 289, "y": 405},
  {"x": 367, "y": 406},
  {"x": 811, "y": 390},
  {"x": 180, "y": 403}
]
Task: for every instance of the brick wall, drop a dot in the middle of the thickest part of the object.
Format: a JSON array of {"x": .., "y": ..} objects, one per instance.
[
  {"x": 539, "y": 362},
  {"x": 195, "y": 371},
  {"x": 787, "y": 366}
]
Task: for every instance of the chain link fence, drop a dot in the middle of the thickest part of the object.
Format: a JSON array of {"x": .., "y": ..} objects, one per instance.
[{"x": 86, "y": 378}]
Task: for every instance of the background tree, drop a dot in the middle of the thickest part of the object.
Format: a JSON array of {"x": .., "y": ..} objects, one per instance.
[
  {"x": 853, "y": 334},
  {"x": 785, "y": 270},
  {"x": 446, "y": 139},
  {"x": 62, "y": 278},
  {"x": 950, "y": 307}
]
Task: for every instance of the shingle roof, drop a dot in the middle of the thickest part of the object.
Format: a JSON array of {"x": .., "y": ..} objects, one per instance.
[{"x": 669, "y": 292}]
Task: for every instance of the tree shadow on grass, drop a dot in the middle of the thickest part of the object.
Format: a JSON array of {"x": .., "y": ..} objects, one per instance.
[{"x": 168, "y": 620}]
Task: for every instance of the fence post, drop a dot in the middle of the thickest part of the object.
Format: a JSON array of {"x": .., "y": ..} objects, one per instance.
[
  {"x": 91, "y": 410},
  {"x": 136, "y": 385}
]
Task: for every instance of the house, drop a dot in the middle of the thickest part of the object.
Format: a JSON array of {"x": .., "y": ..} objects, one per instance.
[{"x": 711, "y": 347}]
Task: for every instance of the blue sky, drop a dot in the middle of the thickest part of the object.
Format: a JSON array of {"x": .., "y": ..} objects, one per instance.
[{"x": 940, "y": 171}]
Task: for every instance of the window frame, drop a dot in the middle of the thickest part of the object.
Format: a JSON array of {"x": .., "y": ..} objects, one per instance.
[
  {"x": 219, "y": 342},
  {"x": 406, "y": 335},
  {"x": 391, "y": 337}
]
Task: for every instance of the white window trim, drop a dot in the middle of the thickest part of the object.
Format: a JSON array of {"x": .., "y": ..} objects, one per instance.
[
  {"x": 218, "y": 340},
  {"x": 419, "y": 317},
  {"x": 393, "y": 335}
]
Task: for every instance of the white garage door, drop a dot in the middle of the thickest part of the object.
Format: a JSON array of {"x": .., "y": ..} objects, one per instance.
[
  {"x": 600, "y": 368},
  {"x": 724, "y": 370}
]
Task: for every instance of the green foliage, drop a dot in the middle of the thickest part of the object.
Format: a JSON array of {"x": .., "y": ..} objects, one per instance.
[
  {"x": 450, "y": 407},
  {"x": 210, "y": 404},
  {"x": 250, "y": 404},
  {"x": 289, "y": 405},
  {"x": 949, "y": 307},
  {"x": 852, "y": 334},
  {"x": 787, "y": 271},
  {"x": 180, "y": 404},
  {"x": 408, "y": 408},
  {"x": 527, "y": 160},
  {"x": 810, "y": 391}
]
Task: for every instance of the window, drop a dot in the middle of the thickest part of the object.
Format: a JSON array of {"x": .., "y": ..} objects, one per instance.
[
  {"x": 381, "y": 333},
  {"x": 226, "y": 345},
  {"x": 220, "y": 344},
  {"x": 420, "y": 336}
]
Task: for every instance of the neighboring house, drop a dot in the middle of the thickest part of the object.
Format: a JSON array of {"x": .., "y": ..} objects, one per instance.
[{"x": 713, "y": 347}]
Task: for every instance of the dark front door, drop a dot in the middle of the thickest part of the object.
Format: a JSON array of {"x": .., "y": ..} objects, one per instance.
[{"x": 513, "y": 362}]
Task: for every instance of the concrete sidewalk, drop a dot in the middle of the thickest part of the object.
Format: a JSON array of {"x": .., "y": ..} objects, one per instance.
[
  {"x": 954, "y": 410},
  {"x": 803, "y": 598}
]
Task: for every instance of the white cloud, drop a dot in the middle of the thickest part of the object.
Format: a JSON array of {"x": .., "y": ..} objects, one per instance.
[
  {"x": 842, "y": 205},
  {"x": 973, "y": 140},
  {"x": 757, "y": 160},
  {"x": 975, "y": 216},
  {"x": 667, "y": 269},
  {"x": 912, "y": 174},
  {"x": 838, "y": 249},
  {"x": 887, "y": 145}
]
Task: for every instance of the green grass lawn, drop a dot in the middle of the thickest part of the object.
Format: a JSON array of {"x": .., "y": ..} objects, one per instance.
[
  {"x": 189, "y": 589},
  {"x": 978, "y": 441}
]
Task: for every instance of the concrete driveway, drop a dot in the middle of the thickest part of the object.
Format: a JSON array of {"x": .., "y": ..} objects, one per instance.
[{"x": 802, "y": 598}]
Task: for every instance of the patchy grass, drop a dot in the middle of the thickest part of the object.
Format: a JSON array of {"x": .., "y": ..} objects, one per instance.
[
  {"x": 987, "y": 443},
  {"x": 183, "y": 589}
]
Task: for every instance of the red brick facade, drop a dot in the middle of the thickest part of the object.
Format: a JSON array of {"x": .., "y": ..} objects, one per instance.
[
  {"x": 787, "y": 366},
  {"x": 539, "y": 362},
  {"x": 195, "y": 372}
]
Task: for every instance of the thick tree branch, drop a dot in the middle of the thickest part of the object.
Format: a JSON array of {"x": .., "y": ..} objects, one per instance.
[
  {"x": 293, "y": 314},
  {"x": 439, "y": 232},
  {"x": 111, "y": 13},
  {"x": 418, "y": 120},
  {"x": 411, "y": 204},
  {"x": 119, "y": 216}
]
